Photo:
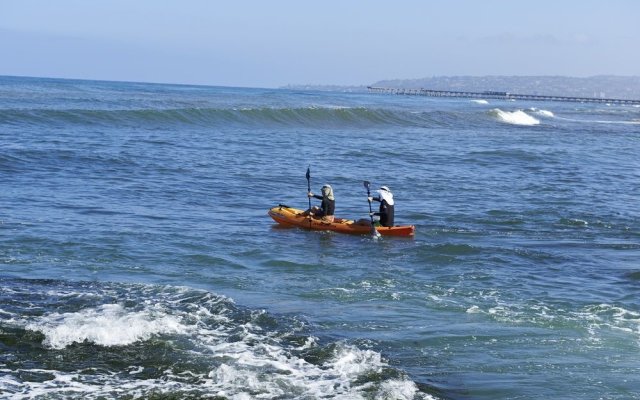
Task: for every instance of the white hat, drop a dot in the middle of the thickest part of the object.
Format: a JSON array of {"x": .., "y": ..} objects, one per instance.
[{"x": 385, "y": 194}]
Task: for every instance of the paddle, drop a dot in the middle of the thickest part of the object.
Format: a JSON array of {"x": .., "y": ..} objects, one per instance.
[
  {"x": 374, "y": 232},
  {"x": 309, "y": 190}
]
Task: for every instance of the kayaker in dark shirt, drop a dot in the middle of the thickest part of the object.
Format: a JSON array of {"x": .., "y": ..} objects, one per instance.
[
  {"x": 328, "y": 205},
  {"x": 386, "y": 211}
]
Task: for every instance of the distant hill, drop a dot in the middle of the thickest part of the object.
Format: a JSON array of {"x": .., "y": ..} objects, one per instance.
[{"x": 604, "y": 86}]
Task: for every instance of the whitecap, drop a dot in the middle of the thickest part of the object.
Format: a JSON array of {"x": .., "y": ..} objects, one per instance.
[
  {"x": 517, "y": 117},
  {"x": 246, "y": 362},
  {"x": 473, "y": 310},
  {"x": 245, "y": 357},
  {"x": 545, "y": 113},
  {"x": 107, "y": 325}
]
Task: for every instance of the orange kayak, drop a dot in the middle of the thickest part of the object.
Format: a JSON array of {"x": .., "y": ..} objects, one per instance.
[{"x": 289, "y": 216}]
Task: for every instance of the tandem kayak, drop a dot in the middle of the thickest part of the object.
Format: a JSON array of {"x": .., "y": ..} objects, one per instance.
[{"x": 290, "y": 216}]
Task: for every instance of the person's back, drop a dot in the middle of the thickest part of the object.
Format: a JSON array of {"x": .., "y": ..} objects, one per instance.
[
  {"x": 386, "y": 211},
  {"x": 328, "y": 205}
]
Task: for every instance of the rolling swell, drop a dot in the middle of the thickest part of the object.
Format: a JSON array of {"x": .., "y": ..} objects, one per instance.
[{"x": 318, "y": 117}]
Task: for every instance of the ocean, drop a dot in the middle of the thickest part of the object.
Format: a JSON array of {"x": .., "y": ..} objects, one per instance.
[{"x": 137, "y": 259}]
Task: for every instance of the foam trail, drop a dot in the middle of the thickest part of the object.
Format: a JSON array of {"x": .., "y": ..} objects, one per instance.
[{"x": 481, "y": 101}]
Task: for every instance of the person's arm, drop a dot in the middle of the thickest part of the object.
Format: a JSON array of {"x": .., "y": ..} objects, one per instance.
[{"x": 374, "y": 198}]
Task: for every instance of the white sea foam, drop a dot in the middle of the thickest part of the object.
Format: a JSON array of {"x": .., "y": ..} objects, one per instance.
[
  {"x": 247, "y": 361},
  {"x": 6, "y": 314},
  {"x": 517, "y": 117},
  {"x": 333, "y": 107},
  {"x": 614, "y": 317},
  {"x": 107, "y": 325},
  {"x": 480, "y": 101},
  {"x": 577, "y": 222},
  {"x": 545, "y": 113},
  {"x": 474, "y": 310},
  {"x": 599, "y": 320},
  {"x": 259, "y": 365}
]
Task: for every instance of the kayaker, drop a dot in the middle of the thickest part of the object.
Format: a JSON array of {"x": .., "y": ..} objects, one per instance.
[
  {"x": 328, "y": 205},
  {"x": 386, "y": 212}
]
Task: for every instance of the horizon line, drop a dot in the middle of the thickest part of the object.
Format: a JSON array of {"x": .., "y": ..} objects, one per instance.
[{"x": 309, "y": 84}]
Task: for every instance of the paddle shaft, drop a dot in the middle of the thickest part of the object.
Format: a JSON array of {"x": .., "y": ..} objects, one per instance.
[
  {"x": 309, "y": 191},
  {"x": 374, "y": 231},
  {"x": 309, "y": 186}
]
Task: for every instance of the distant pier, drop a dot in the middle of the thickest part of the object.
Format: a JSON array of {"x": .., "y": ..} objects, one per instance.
[{"x": 497, "y": 95}]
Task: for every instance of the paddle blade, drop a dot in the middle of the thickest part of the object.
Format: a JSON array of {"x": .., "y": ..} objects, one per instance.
[
  {"x": 374, "y": 232},
  {"x": 308, "y": 173},
  {"x": 367, "y": 184}
]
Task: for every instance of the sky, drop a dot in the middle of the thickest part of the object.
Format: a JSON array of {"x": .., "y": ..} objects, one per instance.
[{"x": 273, "y": 43}]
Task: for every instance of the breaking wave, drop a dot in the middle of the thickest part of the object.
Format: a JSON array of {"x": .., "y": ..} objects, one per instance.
[
  {"x": 542, "y": 113},
  {"x": 146, "y": 341},
  {"x": 517, "y": 117},
  {"x": 107, "y": 325},
  {"x": 325, "y": 117}
]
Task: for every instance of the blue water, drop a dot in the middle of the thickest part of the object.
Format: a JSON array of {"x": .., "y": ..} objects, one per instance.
[{"x": 137, "y": 259}]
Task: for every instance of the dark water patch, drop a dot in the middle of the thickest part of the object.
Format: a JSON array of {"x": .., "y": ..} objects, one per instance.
[
  {"x": 505, "y": 217},
  {"x": 456, "y": 249},
  {"x": 634, "y": 276},
  {"x": 538, "y": 256},
  {"x": 573, "y": 222},
  {"x": 54, "y": 159},
  {"x": 289, "y": 265},
  {"x": 618, "y": 246},
  {"x": 212, "y": 261},
  {"x": 504, "y": 156},
  {"x": 442, "y": 254}
]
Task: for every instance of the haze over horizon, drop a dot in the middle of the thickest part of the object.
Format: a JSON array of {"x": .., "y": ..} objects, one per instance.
[{"x": 272, "y": 44}]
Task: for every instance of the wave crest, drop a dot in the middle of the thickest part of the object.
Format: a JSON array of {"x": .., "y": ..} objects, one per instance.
[
  {"x": 517, "y": 117},
  {"x": 107, "y": 325},
  {"x": 325, "y": 117}
]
